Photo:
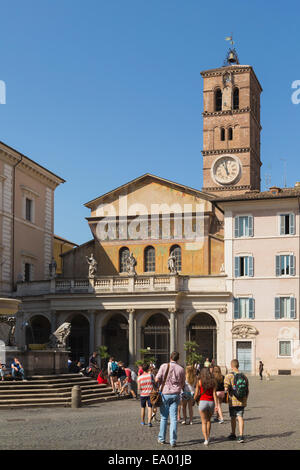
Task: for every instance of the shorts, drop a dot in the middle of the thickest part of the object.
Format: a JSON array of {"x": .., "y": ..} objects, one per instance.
[
  {"x": 205, "y": 405},
  {"x": 145, "y": 400},
  {"x": 128, "y": 386},
  {"x": 186, "y": 396},
  {"x": 236, "y": 411}
]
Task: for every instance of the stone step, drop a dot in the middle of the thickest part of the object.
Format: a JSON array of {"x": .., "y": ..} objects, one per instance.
[
  {"x": 51, "y": 398},
  {"x": 59, "y": 404},
  {"x": 26, "y": 391},
  {"x": 49, "y": 385},
  {"x": 66, "y": 393}
]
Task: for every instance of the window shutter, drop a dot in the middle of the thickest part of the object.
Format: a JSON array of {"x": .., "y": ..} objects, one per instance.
[
  {"x": 277, "y": 265},
  {"x": 251, "y": 308},
  {"x": 292, "y": 265},
  {"x": 236, "y": 266},
  {"x": 292, "y": 307},
  {"x": 236, "y": 309},
  {"x": 236, "y": 227},
  {"x": 250, "y": 222},
  {"x": 292, "y": 224},
  {"x": 277, "y": 307},
  {"x": 251, "y": 262},
  {"x": 282, "y": 228}
]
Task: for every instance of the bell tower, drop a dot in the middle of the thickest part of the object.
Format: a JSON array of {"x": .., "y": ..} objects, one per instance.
[{"x": 231, "y": 128}]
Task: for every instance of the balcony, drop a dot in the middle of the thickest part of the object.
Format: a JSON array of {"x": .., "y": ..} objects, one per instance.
[{"x": 124, "y": 284}]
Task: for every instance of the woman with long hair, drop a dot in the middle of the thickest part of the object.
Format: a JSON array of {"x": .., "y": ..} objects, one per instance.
[
  {"x": 188, "y": 393},
  {"x": 219, "y": 378},
  {"x": 206, "y": 394}
]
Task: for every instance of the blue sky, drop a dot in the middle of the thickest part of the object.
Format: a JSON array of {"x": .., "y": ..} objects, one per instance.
[{"x": 101, "y": 92}]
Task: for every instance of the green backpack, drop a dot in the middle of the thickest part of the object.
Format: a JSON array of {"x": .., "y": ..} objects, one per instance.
[{"x": 240, "y": 386}]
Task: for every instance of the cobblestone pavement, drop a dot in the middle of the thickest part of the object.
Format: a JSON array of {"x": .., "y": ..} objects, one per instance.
[{"x": 272, "y": 422}]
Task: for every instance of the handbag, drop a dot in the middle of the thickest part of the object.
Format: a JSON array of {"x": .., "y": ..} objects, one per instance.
[{"x": 155, "y": 395}]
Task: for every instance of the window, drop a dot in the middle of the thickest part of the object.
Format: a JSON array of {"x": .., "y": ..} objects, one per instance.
[
  {"x": 236, "y": 98},
  {"x": 28, "y": 209},
  {"x": 243, "y": 226},
  {"x": 149, "y": 259},
  {"x": 285, "y": 307},
  {"x": 123, "y": 255},
  {"x": 230, "y": 133},
  {"x": 27, "y": 272},
  {"x": 222, "y": 133},
  {"x": 287, "y": 224},
  {"x": 218, "y": 100},
  {"x": 285, "y": 265},
  {"x": 285, "y": 348},
  {"x": 176, "y": 250},
  {"x": 243, "y": 308},
  {"x": 243, "y": 266}
]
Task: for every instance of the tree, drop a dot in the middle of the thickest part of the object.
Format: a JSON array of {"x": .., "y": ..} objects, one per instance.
[
  {"x": 192, "y": 353},
  {"x": 102, "y": 350},
  {"x": 146, "y": 357}
]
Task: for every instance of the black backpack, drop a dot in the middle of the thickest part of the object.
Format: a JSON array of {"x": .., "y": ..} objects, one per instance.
[{"x": 240, "y": 386}]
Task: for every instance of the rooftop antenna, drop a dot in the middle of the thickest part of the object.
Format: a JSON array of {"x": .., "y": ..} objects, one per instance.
[{"x": 284, "y": 171}]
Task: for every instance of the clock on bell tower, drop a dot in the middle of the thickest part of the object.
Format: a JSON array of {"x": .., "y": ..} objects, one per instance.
[{"x": 231, "y": 128}]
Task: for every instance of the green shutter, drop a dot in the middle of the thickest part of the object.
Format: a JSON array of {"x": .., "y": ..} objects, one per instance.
[
  {"x": 250, "y": 225},
  {"x": 277, "y": 307},
  {"x": 292, "y": 265},
  {"x": 251, "y": 308},
  {"x": 282, "y": 224},
  {"x": 236, "y": 309},
  {"x": 292, "y": 307},
  {"x": 236, "y": 227},
  {"x": 292, "y": 224},
  {"x": 251, "y": 262},
  {"x": 236, "y": 266},
  {"x": 277, "y": 265}
]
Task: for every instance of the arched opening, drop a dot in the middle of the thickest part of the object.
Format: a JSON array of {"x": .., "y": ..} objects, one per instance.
[
  {"x": 218, "y": 99},
  {"x": 222, "y": 134},
  {"x": 149, "y": 259},
  {"x": 176, "y": 250},
  {"x": 236, "y": 98},
  {"x": 123, "y": 255},
  {"x": 202, "y": 329},
  {"x": 115, "y": 337},
  {"x": 38, "y": 330},
  {"x": 156, "y": 336},
  {"x": 230, "y": 133},
  {"x": 79, "y": 339}
]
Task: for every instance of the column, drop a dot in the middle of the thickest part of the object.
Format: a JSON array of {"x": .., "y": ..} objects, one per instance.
[
  {"x": 172, "y": 312},
  {"x": 131, "y": 336},
  {"x": 53, "y": 320},
  {"x": 92, "y": 330}
]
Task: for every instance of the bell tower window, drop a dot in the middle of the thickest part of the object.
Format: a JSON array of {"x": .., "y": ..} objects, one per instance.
[
  {"x": 230, "y": 133},
  {"x": 222, "y": 133},
  {"x": 236, "y": 98},
  {"x": 218, "y": 99}
]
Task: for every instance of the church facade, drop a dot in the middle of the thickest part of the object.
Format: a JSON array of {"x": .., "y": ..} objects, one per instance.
[{"x": 160, "y": 268}]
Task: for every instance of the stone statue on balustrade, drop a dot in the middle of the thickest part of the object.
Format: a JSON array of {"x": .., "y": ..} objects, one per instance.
[
  {"x": 58, "y": 339},
  {"x": 172, "y": 264},
  {"x": 93, "y": 265},
  {"x": 131, "y": 264}
]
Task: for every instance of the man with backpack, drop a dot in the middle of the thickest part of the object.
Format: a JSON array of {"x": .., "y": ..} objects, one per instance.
[
  {"x": 112, "y": 372},
  {"x": 237, "y": 386}
]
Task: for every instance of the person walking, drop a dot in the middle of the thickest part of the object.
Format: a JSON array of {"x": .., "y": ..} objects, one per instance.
[
  {"x": 206, "y": 393},
  {"x": 188, "y": 394},
  {"x": 112, "y": 370},
  {"x": 236, "y": 384},
  {"x": 145, "y": 387},
  {"x": 174, "y": 377},
  {"x": 220, "y": 392},
  {"x": 261, "y": 368}
]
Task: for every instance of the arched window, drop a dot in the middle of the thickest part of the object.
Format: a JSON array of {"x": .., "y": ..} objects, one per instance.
[
  {"x": 176, "y": 250},
  {"x": 123, "y": 255},
  {"x": 222, "y": 133},
  {"x": 149, "y": 259},
  {"x": 230, "y": 133},
  {"x": 218, "y": 99},
  {"x": 236, "y": 98}
]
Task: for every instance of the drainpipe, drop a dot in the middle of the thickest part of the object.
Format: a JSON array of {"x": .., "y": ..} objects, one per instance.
[{"x": 13, "y": 223}]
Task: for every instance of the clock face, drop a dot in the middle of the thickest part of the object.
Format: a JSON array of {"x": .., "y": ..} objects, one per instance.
[{"x": 226, "y": 169}]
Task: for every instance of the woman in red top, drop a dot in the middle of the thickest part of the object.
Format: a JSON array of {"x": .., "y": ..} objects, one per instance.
[{"x": 206, "y": 393}]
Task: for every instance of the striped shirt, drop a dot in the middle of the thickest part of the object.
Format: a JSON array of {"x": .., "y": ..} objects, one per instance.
[{"x": 145, "y": 384}]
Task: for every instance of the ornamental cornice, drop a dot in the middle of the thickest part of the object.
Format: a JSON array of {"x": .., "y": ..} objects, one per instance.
[
  {"x": 220, "y": 72},
  {"x": 225, "y": 151},
  {"x": 227, "y": 188},
  {"x": 227, "y": 112}
]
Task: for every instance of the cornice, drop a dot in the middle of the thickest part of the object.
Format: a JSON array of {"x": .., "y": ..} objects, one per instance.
[
  {"x": 206, "y": 153},
  {"x": 228, "y": 188},
  {"x": 220, "y": 71},
  {"x": 224, "y": 113}
]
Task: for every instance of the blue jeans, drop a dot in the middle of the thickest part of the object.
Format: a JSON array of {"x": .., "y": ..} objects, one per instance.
[
  {"x": 19, "y": 372},
  {"x": 168, "y": 407}
]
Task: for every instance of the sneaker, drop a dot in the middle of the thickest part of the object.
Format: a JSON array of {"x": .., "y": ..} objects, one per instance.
[
  {"x": 161, "y": 442},
  {"x": 143, "y": 424},
  {"x": 150, "y": 425},
  {"x": 232, "y": 437},
  {"x": 205, "y": 443},
  {"x": 183, "y": 422},
  {"x": 221, "y": 421},
  {"x": 174, "y": 444},
  {"x": 241, "y": 439},
  {"x": 191, "y": 422}
]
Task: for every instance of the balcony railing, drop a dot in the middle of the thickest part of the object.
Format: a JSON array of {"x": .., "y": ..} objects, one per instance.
[{"x": 119, "y": 284}]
